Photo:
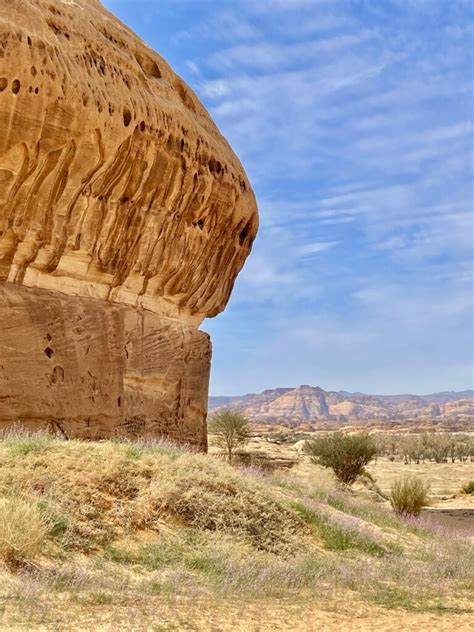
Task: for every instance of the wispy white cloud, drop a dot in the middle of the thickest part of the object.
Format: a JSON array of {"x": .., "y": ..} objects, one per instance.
[
  {"x": 355, "y": 124},
  {"x": 272, "y": 56},
  {"x": 193, "y": 67},
  {"x": 314, "y": 248}
]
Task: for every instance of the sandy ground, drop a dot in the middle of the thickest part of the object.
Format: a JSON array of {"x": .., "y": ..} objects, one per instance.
[
  {"x": 449, "y": 508},
  {"x": 249, "y": 617},
  {"x": 444, "y": 478}
]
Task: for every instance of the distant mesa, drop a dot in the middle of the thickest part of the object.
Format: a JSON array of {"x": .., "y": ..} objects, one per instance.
[{"x": 305, "y": 403}]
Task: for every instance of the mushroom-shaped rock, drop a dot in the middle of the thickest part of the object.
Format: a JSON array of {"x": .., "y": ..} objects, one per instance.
[{"x": 125, "y": 218}]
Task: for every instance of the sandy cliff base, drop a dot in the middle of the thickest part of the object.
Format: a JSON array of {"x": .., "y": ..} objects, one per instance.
[{"x": 90, "y": 369}]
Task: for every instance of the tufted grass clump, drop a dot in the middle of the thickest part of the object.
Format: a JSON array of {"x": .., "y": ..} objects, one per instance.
[
  {"x": 23, "y": 531},
  {"x": 409, "y": 495}
]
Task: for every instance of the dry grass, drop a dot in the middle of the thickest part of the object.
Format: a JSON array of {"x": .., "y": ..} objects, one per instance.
[
  {"x": 22, "y": 531},
  {"x": 130, "y": 523},
  {"x": 100, "y": 491}
]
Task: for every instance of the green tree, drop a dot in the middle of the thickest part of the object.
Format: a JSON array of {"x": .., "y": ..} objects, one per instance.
[
  {"x": 346, "y": 455},
  {"x": 231, "y": 430}
]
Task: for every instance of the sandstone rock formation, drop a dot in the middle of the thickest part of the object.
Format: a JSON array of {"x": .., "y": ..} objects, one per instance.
[
  {"x": 125, "y": 218},
  {"x": 308, "y": 404}
]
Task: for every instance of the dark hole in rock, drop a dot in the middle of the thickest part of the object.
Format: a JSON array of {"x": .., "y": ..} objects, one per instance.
[
  {"x": 3, "y": 83},
  {"x": 16, "y": 85},
  {"x": 243, "y": 234},
  {"x": 49, "y": 352},
  {"x": 127, "y": 116},
  {"x": 57, "y": 375}
]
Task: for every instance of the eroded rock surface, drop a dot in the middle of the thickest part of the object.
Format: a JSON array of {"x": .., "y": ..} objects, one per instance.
[{"x": 121, "y": 201}]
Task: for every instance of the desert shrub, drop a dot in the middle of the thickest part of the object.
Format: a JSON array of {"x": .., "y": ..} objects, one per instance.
[
  {"x": 468, "y": 488},
  {"x": 231, "y": 430},
  {"x": 22, "y": 531},
  {"x": 409, "y": 495},
  {"x": 346, "y": 455}
]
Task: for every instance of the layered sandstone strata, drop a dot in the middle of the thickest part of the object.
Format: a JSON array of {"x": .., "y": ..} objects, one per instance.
[{"x": 125, "y": 218}]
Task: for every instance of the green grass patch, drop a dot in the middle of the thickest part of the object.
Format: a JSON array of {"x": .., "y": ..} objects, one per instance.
[
  {"x": 166, "y": 552},
  {"x": 396, "y": 597},
  {"x": 21, "y": 444},
  {"x": 135, "y": 450},
  {"x": 360, "y": 510},
  {"x": 337, "y": 537}
]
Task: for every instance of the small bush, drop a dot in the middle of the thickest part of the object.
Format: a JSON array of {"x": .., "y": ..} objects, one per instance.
[
  {"x": 468, "y": 488},
  {"x": 22, "y": 531},
  {"x": 409, "y": 495},
  {"x": 231, "y": 430},
  {"x": 346, "y": 455}
]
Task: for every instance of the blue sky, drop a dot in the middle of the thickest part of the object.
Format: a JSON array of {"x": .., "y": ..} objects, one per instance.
[{"x": 354, "y": 122}]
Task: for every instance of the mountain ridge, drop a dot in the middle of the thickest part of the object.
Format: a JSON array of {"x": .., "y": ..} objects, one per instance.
[{"x": 307, "y": 403}]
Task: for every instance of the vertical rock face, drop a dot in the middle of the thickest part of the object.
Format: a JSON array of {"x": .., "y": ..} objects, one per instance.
[{"x": 125, "y": 218}]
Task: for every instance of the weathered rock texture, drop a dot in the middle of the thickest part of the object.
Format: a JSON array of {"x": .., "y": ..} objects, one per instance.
[{"x": 125, "y": 213}]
